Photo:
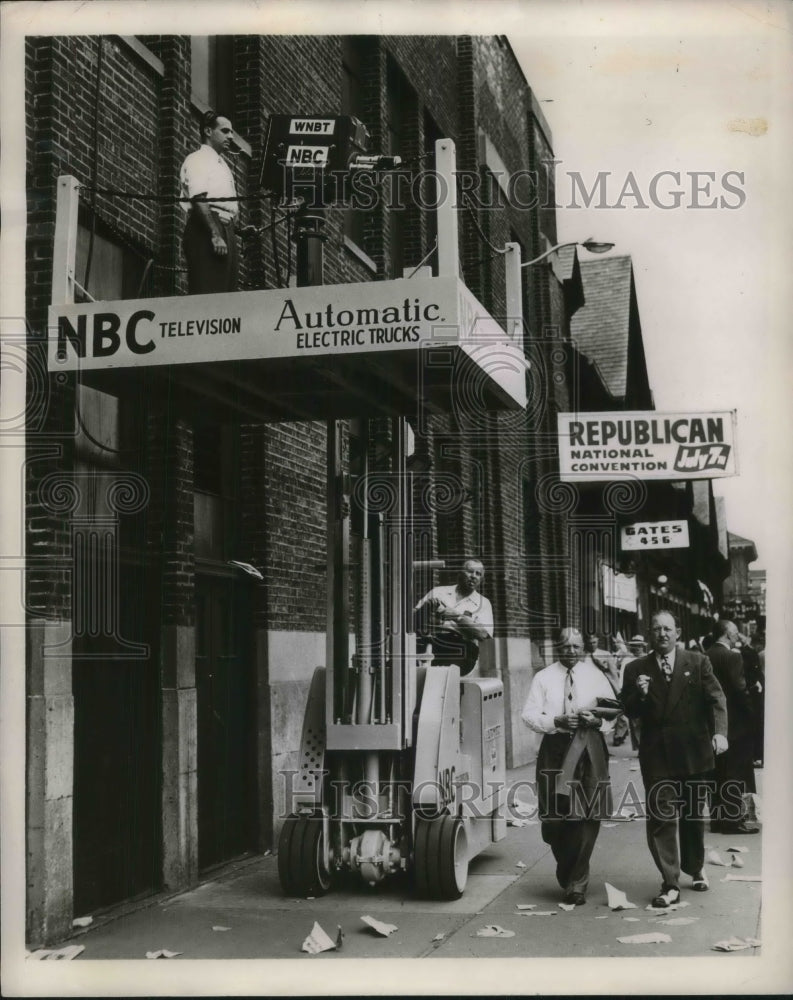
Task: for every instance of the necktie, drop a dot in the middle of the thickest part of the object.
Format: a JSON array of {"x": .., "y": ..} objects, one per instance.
[
  {"x": 570, "y": 705},
  {"x": 666, "y": 666}
]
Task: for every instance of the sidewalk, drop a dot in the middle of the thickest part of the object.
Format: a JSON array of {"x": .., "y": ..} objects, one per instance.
[{"x": 243, "y": 914}]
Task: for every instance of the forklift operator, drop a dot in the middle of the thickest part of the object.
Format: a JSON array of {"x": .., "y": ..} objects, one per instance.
[{"x": 456, "y": 619}]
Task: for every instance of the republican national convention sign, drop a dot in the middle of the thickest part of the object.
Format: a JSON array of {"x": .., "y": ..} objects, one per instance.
[{"x": 646, "y": 445}]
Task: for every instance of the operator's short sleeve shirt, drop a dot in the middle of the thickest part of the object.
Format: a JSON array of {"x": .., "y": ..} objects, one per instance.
[{"x": 206, "y": 172}]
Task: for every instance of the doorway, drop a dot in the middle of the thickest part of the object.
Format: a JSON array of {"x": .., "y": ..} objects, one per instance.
[{"x": 226, "y": 720}]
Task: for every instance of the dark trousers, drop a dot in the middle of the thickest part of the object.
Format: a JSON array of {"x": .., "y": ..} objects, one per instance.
[
  {"x": 734, "y": 778},
  {"x": 676, "y": 815},
  {"x": 208, "y": 271},
  {"x": 572, "y": 842}
]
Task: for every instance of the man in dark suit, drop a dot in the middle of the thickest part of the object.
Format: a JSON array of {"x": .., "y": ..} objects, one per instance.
[
  {"x": 735, "y": 768},
  {"x": 683, "y": 715}
]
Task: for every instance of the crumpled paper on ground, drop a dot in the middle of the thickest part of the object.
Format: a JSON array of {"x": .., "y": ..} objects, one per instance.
[
  {"x": 162, "y": 953},
  {"x": 522, "y": 809},
  {"x": 219, "y": 927},
  {"x": 737, "y": 861},
  {"x": 678, "y": 921},
  {"x": 539, "y": 913},
  {"x": 379, "y": 926},
  {"x": 566, "y": 906},
  {"x": 57, "y": 954},
  {"x": 82, "y": 921},
  {"x": 737, "y": 850},
  {"x": 318, "y": 941},
  {"x": 653, "y": 937},
  {"x": 521, "y": 864},
  {"x": 493, "y": 930},
  {"x": 526, "y": 906},
  {"x": 742, "y": 878},
  {"x": 617, "y": 899},
  {"x": 735, "y": 944},
  {"x": 607, "y": 826},
  {"x": 714, "y": 858}
]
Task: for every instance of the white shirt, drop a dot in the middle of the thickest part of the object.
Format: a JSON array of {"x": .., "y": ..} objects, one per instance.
[
  {"x": 479, "y": 608},
  {"x": 546, "y": 695},
  {"x": 206, "y": 172}
]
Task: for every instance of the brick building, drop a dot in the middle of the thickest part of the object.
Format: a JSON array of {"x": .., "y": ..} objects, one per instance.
[{"x": 166, "y": 685}]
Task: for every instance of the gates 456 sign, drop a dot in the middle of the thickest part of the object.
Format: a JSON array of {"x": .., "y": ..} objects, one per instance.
[{"x": 655, "y": 535}]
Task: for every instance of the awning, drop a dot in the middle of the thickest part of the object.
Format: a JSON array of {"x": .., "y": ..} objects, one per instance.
[{"x": 331, "y": 351}]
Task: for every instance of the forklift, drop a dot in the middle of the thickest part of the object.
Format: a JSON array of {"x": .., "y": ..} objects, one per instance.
[{"x": 401, "y": 764}]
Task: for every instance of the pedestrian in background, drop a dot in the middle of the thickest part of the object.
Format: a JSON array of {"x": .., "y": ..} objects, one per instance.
[
  {"x": 637, "y": 646},
  {"x": 732, "y": 801},
  {"x": 758, "y": 700},
  {"x": 573, "y": 788},
  {"x": 679, "y": 703}
]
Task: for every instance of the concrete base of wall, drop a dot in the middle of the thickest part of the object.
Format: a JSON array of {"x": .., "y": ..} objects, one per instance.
[
  {"x": 179, "y": 758},
  {"x": 50, "y": 782}
]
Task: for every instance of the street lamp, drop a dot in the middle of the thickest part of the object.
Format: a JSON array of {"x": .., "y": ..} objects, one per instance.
[{"x": 593, "y": 246}]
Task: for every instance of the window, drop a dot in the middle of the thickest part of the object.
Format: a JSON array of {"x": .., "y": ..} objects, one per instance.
[
  {"x": 215, "y": 475},
  {"x": 212, "y": 71},
  {"x": 116, "y": 270},
  {"x": 353, "y": 61}
]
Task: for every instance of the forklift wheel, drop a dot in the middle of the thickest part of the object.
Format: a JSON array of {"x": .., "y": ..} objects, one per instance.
[
  {"x": 301, "y": 869},
  {"x": 440, "y": 860}
]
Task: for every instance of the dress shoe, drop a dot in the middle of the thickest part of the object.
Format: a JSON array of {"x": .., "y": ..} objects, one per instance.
[
  {"x": 699, "y": 883},
  {"x": 577, "y": 898},
  {"x": 668, "y": 896},
  {"x": 740, "y": 828}
]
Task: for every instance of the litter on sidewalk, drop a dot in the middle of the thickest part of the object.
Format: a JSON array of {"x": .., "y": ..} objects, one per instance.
[
  {"x": 162, "y": 953},
  {"x": 494, "y": 930},
  {"x": 318, "y": 941},
  {"x": 526, "y": 906},
  {"x": 617, "y": 900},
  {"x": 521, "y": 864},
  {"x": 566, "y": 906},
  {"x": 653, "y": 937},
  {"x": 677, "y": 921},
  {"x": 66, "y": 954},
  {"x": 82, "y": 921},
  {"x": 379, "y": 926},
  {"x": 735, "y": 944},
  {"x": 742, "y": 878},
  {"x": 539, "y": 913},
  {"x": 219, "y": 927},
  {"x": 714, "y": 858}
]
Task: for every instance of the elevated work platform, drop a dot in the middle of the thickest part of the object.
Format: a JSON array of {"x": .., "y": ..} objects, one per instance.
[{"x": 303, "y": 353}]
